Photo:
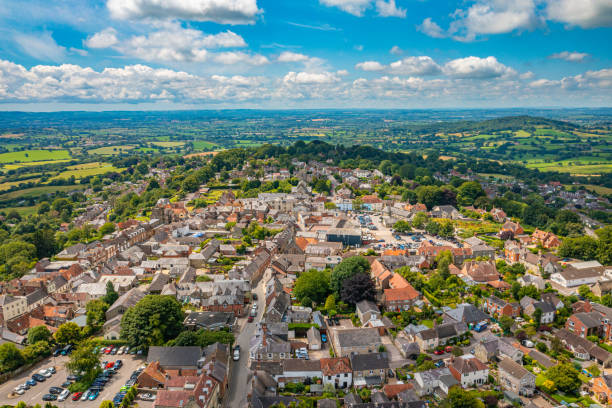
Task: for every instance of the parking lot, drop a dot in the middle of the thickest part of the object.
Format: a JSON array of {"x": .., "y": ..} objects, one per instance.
[{"x": 34, "y": 394}]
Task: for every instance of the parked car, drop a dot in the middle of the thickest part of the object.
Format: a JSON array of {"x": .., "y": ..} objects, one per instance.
[
  {"x": 438, "y": 352},
  {"x": 237, "y": 353},
  {"x": 439, "y": 364},
  {"x": 85, "y": 395},
  {"x": 254, "y": 296},
  {"x": 49, "y": 397},
  {"x": 250, "y": 319},
  {"x": 38, "y": 377},
  {"x": 119, "y": 363},
  {"x": 77, "y": 396},
  {"x": 31, "y": 382},
  {"x": 147, "y": 397},
  {"x": 55, "y": 390},
  {"x": 390, "y": 373},
  {"x": 324, "y": 338},
  {"x": 45, "y": 372},
  {"x": 63, "y": 395},
  {"x": 93, "y": 395},
  {"x": 19, "y": 390}
]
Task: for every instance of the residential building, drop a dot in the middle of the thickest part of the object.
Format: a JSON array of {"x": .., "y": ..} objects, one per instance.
[
  {"x": 469, "y": 371},
  {"x": 337, "y": 371},
  {"x": 516, "y": 378}
]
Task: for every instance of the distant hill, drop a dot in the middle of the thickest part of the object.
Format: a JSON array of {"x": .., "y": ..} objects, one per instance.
[{"x": 523, "y": 122}]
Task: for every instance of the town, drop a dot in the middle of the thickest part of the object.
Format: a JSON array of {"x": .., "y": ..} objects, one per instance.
[{"x": 314, "y": 285}]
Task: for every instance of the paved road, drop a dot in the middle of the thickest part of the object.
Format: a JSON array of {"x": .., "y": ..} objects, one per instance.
[
  {"x": 237, "y": 392},
  {"x": 34, "y": 394}
]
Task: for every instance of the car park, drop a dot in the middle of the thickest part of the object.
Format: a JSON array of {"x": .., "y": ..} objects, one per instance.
[{"x": 49, "y": 397}]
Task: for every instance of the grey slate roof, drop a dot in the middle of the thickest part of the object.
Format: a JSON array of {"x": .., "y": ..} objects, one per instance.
[
  {"x": 187, "y": 356},
  {"x": 370, "y": 361}
]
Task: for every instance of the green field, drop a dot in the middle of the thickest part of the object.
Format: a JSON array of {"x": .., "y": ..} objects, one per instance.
[
  {"x": 582, "y": 166},
  {"x": 37, "y": 191},
  {"x": 168, "y": 144},
  {"x": 204, "y": 145},
  {"x": 37, "y": 163},
  {"x": 110, "y": 150},
  {"x": 88, "y": 169},
  {"x": 9, "y": 184},
  {"x": 23, "y": 211},
  {"x": 26, "y": 156}
]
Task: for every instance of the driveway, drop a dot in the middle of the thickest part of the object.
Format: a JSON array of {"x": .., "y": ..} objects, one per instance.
[{"x": 34, "y": 394}]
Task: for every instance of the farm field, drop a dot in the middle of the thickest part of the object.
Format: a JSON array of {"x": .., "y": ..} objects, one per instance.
[
  {"x": 26, "y": 156},
  {"x": 36, "y": 191},
  {"x": 37, "y": 163},
  {"x": 88, "y": 169},
  {"x": 110, "y": 150},
  {"x": 23, "y": 211},
  {"x": 168, "y": 144},
  {"x": 9, "y": 184},
  {"x": 572, "y": 166},
  {"x": 204, "y": 145}
]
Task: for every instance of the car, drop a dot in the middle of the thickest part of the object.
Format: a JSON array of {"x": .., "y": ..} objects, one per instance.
[
  {"x": 108, "y": 350},
  {"x": 130, "y": 383},
  {"x": 57, "y": 352},
  {"x": 120, "y": 351},
  {"x": 390, "y": 373},
  {"x": 127, "y": 349},
  {"x": 44, "y": 372},
  {"x": 438, "y": 352},
  {"x": 38, "y": 377},
  {"x": 63, "y": 395},
  {"x": 250, "y": 319},
  {"x": 254, "y": 296},
  {"x": 25, "y": 386},
  {"x": 472, "y": 351},
  {"x": 119, "y": 363},
  {"x": 49, "y": 397},
  {"x": 31, "y": 382},
  {"x": 448, "y": 349},
  {"x": 72, "y": 377},
  {"x": 114, "y": 351},
  {"x": 77, "y": 396},
  {"x": 236, "y": 353},
  {"x": 52, "y": 370},
  {"x": 55, "y": 390},
  {"x": 19, "y": 390},
  {"x": 66, "y": 384},
  {"x": 109, "y": 365},
  {"x": 439, "y": 364},
  {"x": 147, "y": 397},
  {"x": 324, "y": 338},
  {"x": 93, "y": 395},
  {"x": 85, "y": 395}
]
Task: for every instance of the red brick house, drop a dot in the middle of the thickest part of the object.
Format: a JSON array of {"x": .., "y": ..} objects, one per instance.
[
  {"x": 585, "y": 324},
  {"x": 400, "y": 299},
  {"x": 499, "y": 307}
]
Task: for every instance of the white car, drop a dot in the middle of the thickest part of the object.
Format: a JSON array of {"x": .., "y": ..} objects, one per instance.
[
  {"x": 85, "y": 395},
  {"x": 121, "y": 350},
  {"x": 236, "y": 353},
  {"x": 19, "y": 390},
  {"x": 45, "y": 373},
  {"x": 63, "y": 395}
]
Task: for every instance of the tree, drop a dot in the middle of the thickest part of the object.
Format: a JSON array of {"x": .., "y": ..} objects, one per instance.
[
  {"x": 68, "y": 333},
  {"x": 565, "y": 377},
  {"x": 39, "y": 333},
  {"x": 468, "y": 192},
  {"x": 96, "y": 312},
  {"x": 537, "y": 317},
  {"x": 584, "y": 291},
  {"x": 10, "y": 357},
  {"x": 402, "y": 226},
  {"x": 313, "y": 284},
  {"x": 107, "y": 404},
  {"x": 555, "y": 345},
  {"x": 111, "y": 294},
  {"x": 153, "y": 321},
  {"x": 506, "y": 323},
  {"x": 83, "y": 358},
  {"x": 419, "y": 220},
  {"x": 459, "y": 398},
  {"x": 330, "y": 304},
  {"x": 432, "y": 227},
  {"x": 107, "y": 228},
  {"x": 348, "y": 267},
  {"x": 357, "y": 288}
]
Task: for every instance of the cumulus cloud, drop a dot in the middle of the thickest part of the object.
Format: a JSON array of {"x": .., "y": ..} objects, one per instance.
[
  {"x": 430, "y": 28},
  {"x": 395, "y": 50},
  {"x": 570, "y": 56},
  {"x": 218, "y": 11},
  {"x": 477, "y": 68},
  {"x": 370, "y": 66},
  {"x": 415, "y": 66},
  {"x": 310, "y": 78},
  {"x": 40, "y": 46},
  {"x": 103, "y": 39},
  {"x": 288, "y": 56},
  {"x": 583, "y": 13},
  {"x": 236, "y": 57},
  {"x": 389, "y": 9},
  {"x": 170, "y": 43}
]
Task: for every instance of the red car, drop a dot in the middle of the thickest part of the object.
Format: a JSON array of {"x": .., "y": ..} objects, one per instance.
[
  {"x": 77, "y": 396},
  {"x": 110, "y": 364},
  {"x": 448, "y": 349},
  {"x": 438, "y": 352},
  {"x": 107, "y": 350},
  {"x": 250, "y": 319}
]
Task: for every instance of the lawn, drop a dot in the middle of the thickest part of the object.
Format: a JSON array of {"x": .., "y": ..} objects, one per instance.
[
  {"x": 37, "y": 163},
  {"x": 26, "y": 156},
  {"x": 168, "y": 144},
  {"x": 110, "y": 150},
  {"x": 204, "y": 145},
  {"x": 88, "y": 169},
  {"x": 573, "y": 166}
]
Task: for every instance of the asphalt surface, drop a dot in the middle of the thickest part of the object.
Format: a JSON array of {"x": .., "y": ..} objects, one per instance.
[
  {"x": 236, "y": 396},
  {"x": 34, "y": 394}
]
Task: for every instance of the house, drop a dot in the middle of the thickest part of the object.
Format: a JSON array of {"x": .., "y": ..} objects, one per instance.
[
  {"x": 266, "y": 346},
  {"x": 496, "y": 306},
  {"x": 469, "y": 371},
  {"x": 189, "y": 391},
  {"x": 297, "y": 370},
  {"x": 337, "y": 371},
  {"x": 360, "y": 341},
  {"x": 601, "y": 288},
  {"x": 366, "y": 311},
  {"x": 602, "y": 388},
  {"x": 369, "y": 369},
  {"x": 488, "y": 349},
  {"x": 553, "y": 300},
  {"x": 445, "y": 211},
  {"x": 210, "y": 320},
  {"x": 529, "y": 280},
  {"x": 400, "y": 299},
  {"x": 516, "y": 378},
  {"x": 545, "y": 239},
  {"x": 436, "y": 381},
  {"x": 175, "y": 358},
  {"x": 481, "y": 271},
  {"x": 439, "y": 335},
  {"x": 583, "y": 348},
  {"x": 314, "y": 339},
  {"x": 466, "y": 313},
  {"x": 498, "y": 214},
  {"x": 572, "y": 277},
  {"x": 371, "y": 203},
  {"x": 513, "y": 227},
  {"x": 585, "y": 324},
  {"x": 548, "y": 312}
]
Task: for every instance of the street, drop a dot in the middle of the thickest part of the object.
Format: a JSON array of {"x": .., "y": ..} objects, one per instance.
[{"x": 237, "y": 391}]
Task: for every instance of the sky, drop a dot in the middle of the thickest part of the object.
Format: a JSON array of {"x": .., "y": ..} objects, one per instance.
[{"x": 271, "y": 54}]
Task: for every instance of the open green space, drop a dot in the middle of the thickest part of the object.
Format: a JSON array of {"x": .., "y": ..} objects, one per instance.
[
  {"x": 110, "y": 150},
  {"x": 37, "y": 191},
  {"x": 26, "y": 156},
  {"x": 87, "y": 169}
]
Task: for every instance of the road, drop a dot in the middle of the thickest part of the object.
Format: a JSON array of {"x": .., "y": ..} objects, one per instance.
[
  {"x": 237, "y": 392},
  {"x": 34, "y": 394}
]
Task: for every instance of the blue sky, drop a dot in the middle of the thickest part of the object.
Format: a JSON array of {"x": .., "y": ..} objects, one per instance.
[{"x": 167, "y": 54}]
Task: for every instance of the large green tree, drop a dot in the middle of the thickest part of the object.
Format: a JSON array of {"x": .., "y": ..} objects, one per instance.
[
  {"x": 565, "y": 377},
  {"x": 68, "y": 333},
  {"x": 357, "y": 288},
  {"x": 347, "y": 268},
  {"x": 96, "y": 312},
  {"x": 83, "y": 358},
  {"x": 313, "y": 284},
  {"x": 38, "y": 333},
  {"x": 152, "y": 321},
  {"x": 459, "y": 398},
  {"x": 10, "y": 357}
]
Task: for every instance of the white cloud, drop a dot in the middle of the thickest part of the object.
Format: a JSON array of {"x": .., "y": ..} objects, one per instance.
[
  {"x": 239, "y": 57},
  {"x": 389, "y": 9},
  {"x": 430, "y": 28},
  {"x": 544, "y": 83},
  {"x": 370, "y": 66},
  {"x": 583, "y": 13},
  {"x": 310, "y": 78},
  {"x": 570, "y": 56},
  {"x": 171, "y": 43},
  {"x": 40, "y": 46},
  {"x": 103, "y": 39},
  {"x": 219, "y": 11},
  {"x": 354, "y": 7},
  {"x": 477, "y": 68},
  {"x": 395, "y": 50},
  {"x": 288, "y": 56},
  {"x": 415, "y": 66}
]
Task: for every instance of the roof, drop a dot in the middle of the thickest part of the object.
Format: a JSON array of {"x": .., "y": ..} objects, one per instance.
[
  {"x": 333, "y": 366},
  {"x": 589, "y": 319},
  {"x": 179, "y": 356},
  {"x": 467, "y": 313},
  {"x": 468, "y": 364},
  {"x": 299, "y": 364},
  {"x": 370, "y": 361},
  {"x": 405, "y": 293},
  {"x": 514, "y": 369},
  {"x": 357, "y": 337}
]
